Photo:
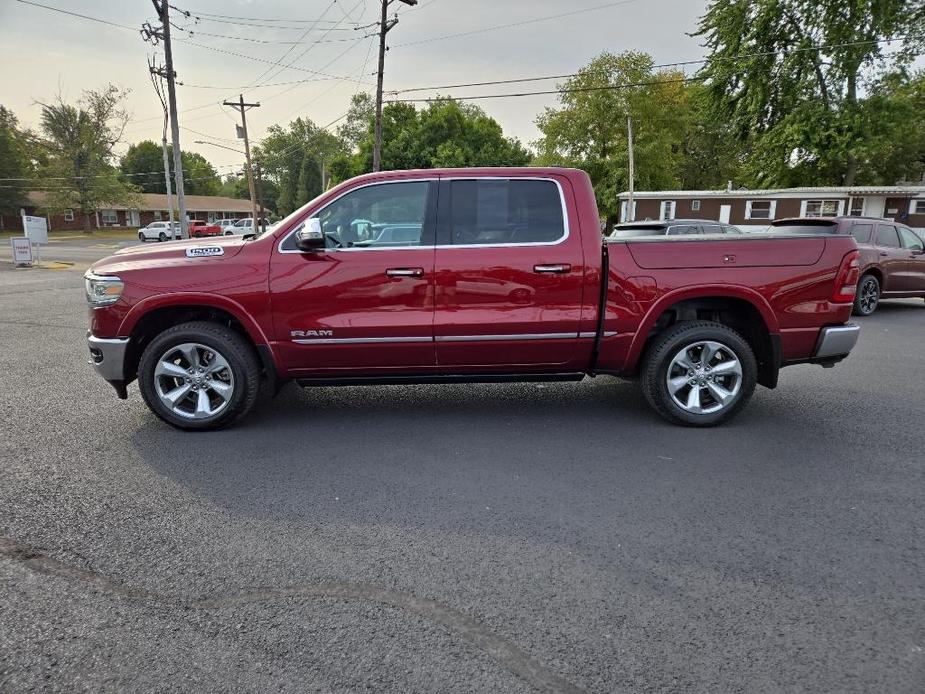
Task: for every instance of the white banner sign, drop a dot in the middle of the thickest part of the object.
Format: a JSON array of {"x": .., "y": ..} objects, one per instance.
[
  {"x": 36, "y": 228},
  {"x": 22, "y": 250}
]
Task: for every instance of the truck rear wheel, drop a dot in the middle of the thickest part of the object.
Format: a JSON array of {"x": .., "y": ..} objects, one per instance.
[
  {"x": 199, "y": 376},
  {"x": 699, "y": 373}
]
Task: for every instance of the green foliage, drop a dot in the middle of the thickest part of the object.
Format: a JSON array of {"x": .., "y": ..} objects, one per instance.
[
  {"x": 446, "y": 133},
  {"x": 800, "y": 112},
  {"x": 78, "y": 142},
  {"x": 589, "y": 129},
  {"x": 293, "y": 158},
  {"x": 143, "y": 166},
  {"x": 359, "y": 121},
  {"x": 14, "y": 164}
]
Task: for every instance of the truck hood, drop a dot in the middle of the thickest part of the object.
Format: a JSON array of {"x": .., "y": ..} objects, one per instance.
[{"x": 170, "y": 253}]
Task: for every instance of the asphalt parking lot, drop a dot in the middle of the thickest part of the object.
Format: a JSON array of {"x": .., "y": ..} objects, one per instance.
[{"x": 504, "y": 538}]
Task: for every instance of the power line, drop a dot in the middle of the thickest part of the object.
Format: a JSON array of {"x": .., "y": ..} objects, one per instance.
[
  {"x": 314, "y": 43},
  {"x": 516, "y": 24},
  {"x": 77, "y": 14},
  {"x": 254, "y": 40},
  {"x": 261, "y": 19},
  {"x": 290, "y": 49},
  {"x": 682, "y": 63},
  {"x": 607, "y": 87}
]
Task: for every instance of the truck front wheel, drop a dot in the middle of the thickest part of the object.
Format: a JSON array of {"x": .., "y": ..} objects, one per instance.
[
  {"x": 699, "y": 373},
  {"x": 199, "y": 375}
]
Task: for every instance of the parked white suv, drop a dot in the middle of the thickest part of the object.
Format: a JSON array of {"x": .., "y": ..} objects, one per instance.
[
  {"x": 227, "y": 226},
  {"x": 246, "y": 226},
  {"x": 159, "y": 231}
]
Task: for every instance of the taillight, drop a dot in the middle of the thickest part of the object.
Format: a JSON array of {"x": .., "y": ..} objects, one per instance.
[{"x": 846, "y": 281}]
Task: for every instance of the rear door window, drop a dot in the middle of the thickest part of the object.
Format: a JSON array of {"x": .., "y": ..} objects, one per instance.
[
  {"x": 862, "y": 232},
  {"x": 887, "y": 236},
  {"x": 712, "y": 229},
  {"x": 492, "y": 212}
]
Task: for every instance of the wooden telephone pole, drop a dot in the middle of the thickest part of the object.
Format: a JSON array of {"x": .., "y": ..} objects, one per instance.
[
  {"x": 385, "y": 26},
  {"x": 162, "y": 7},
  {"x": 242, "y": 132}
]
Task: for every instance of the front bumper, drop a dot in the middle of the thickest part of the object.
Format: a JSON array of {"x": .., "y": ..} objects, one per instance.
[
  {"x": 836, "y": 342},
  {"x": 107, "y": 357}
]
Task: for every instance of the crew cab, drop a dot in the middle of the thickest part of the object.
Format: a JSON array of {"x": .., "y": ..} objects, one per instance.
[
  {"x": 468, "y": 275},
  {"x": 892, "y": 256},
  {"x": 199, "y": 228}
]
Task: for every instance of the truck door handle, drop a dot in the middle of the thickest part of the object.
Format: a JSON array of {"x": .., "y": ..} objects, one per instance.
[
  {"x": 883, "y": 255},
  {"x": 405, "y": 272},
  {"x": 559, "y": 269}
]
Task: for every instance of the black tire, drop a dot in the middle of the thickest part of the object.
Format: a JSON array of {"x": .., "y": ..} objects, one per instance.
[
  {"x": 142, "y": 237},
  {"x": 235, "y": 349},
  {"x": 867, "y": 297},
  {"x": 229, "y": 233},
  {"x": 658, "y": 360},
  {"x": 162, "y": 236}
]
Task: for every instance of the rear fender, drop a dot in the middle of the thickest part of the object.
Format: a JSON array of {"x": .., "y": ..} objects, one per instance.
[{"x": 699, "y": 292}]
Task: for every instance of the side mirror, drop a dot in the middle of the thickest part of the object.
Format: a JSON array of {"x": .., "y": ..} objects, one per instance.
[{"x": 310, "y": 237}]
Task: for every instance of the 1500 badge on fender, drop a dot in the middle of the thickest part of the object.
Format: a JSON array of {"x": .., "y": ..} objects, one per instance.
[{"x": 204, "y": 251}]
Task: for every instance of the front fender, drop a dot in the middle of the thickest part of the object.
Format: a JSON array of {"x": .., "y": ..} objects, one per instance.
[{"x": 191, "y": 299}]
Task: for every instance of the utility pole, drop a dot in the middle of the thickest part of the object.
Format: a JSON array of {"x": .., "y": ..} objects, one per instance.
[
  {"x": 242, "y": 133},
  {"x": 162, "y": 7},
  {"x": 385, "y": 26},
  {"x": 630, "y": 217},
  {"x": 258, "y": 172},
  {"x": 155, "y": 73}
]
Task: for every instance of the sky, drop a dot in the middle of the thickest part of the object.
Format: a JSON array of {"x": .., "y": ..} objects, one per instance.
[{"x": 439, "y": 42}]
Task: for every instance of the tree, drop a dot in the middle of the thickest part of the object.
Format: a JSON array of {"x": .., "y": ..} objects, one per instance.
[
  {"x": 14, "y": 164},
  {"x": 79, "y": 142},
  {"x": 446, "y": 133},
  {"x": 358, "y": 121},
  {"x": 799, "y": 108},
  {"x": 892, "y": 116},
  {"x": 711, "y": 153},
  {"x": 294, "y": 158},
  {"x": 143, "y": 166},
  {"x": 589, "y": 129}
]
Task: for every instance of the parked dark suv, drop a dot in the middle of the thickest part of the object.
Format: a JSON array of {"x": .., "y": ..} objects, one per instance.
[
  {"x": 892, "y": 256},
  {"x": 671, "y": 227}
]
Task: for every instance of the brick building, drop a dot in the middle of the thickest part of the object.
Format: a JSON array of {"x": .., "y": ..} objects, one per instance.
[
  {"x": 754, "y": 210},
  {"x": 153, "y": 208}
]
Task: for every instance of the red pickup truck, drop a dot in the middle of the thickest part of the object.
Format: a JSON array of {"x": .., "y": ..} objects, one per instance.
[
  {"x": 199, "y": 228},
  {"x": 470, "y": 275}
]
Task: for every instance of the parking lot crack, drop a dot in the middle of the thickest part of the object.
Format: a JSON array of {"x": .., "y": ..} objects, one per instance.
[{"x": 501, "y": 650}]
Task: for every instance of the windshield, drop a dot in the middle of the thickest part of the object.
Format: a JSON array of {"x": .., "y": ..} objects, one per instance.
[{"x": 804, "y": 226}]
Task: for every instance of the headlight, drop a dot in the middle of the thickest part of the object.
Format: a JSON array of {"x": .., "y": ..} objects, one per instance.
[{"x": 102, "y": 290}]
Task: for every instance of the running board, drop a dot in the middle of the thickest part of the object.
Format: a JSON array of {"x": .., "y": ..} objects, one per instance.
[{"x": 325, "y": 381}]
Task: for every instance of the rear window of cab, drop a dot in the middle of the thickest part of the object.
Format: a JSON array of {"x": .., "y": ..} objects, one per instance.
[{"x": 804, "y": 226}]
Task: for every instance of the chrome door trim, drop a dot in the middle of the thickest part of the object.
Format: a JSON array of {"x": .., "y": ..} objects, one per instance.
[
  {"x": 493, "y": 338},
  {"x": 565, "y": 221},
  {"x": 358, "y": 340},
  {"x": 279, "y": 246},
  {"x": 440, "y": 338},
  {"x": 560, "y": 240}
]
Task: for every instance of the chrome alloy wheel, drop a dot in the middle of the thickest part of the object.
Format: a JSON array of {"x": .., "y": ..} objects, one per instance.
[
  {"x": 704, "y": 377},
  {"x": 868, "y": 296},
  {"x": 193, "y": 381}
]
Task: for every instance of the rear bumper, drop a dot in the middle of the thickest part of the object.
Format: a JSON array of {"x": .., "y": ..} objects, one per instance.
[
  {"x": 836, "y": 341},
  {"x": 107, "y": 357}
]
